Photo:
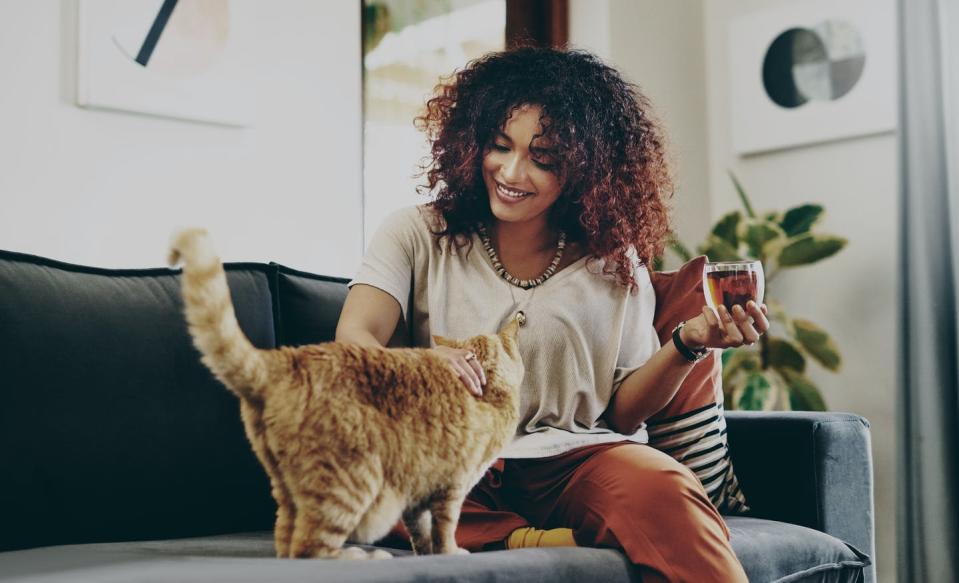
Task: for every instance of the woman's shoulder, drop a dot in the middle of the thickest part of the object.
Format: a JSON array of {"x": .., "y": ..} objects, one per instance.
[{"x": 414, "y": 221}]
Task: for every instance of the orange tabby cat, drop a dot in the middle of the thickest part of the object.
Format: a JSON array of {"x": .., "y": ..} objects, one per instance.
[{"x": 354, "y": 438}]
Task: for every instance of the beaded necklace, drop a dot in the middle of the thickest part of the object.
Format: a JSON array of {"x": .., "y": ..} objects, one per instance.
[{"x": 523, "y": 283}]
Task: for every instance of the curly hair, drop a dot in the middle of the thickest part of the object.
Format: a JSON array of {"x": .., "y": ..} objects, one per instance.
[{"x": 610, "y": 152}]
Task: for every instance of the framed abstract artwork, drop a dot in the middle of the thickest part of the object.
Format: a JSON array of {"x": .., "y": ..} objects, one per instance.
[
  {"x": 812, "y": 71},
  {"x": 184, "y": 59}
]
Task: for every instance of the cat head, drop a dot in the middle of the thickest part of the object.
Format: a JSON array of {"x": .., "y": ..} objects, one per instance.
[{"x": 498, "y": 353}]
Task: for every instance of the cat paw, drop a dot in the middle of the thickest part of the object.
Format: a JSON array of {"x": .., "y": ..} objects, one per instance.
[
  {"x": 357, "y": 554},
  {"x": 352, "y": 554}
]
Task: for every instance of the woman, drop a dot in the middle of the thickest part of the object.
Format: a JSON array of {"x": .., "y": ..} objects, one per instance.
[{"x": 549, "y": 180}]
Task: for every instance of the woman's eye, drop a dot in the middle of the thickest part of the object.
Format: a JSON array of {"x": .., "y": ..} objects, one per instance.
[
  {"x": 545, "y": 166},
  {"x": 500, "y": 148}
]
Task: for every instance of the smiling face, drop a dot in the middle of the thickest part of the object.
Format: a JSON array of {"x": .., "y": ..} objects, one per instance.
[{"x": 519, "y": 170}]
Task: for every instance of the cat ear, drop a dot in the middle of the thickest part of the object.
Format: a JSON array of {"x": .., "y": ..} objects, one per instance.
[{"x": 511, "y": 329}]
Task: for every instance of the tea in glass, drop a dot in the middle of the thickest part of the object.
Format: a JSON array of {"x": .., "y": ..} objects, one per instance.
[{"x": 729, "y": 283}]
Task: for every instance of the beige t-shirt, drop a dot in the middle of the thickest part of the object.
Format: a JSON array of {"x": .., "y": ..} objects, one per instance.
[{"x": 583, "y": 335}]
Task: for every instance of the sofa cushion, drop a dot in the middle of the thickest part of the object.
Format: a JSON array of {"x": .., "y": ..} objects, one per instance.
[
  {"x": 692, "y": 427},
  {"x": 111, "y": 428},
  {"x": 308, "y": 306},
  {"x": 786, "y": 553}
]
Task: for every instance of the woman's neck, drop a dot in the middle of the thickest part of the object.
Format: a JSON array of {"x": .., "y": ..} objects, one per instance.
[{"x": 531, "y": 236}]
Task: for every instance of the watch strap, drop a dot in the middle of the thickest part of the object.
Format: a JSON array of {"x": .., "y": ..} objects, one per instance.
[{"x": 690, "y": 354}]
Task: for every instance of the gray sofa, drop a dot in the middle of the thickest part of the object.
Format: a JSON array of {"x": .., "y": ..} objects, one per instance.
[{"x": 122, "y": 459}]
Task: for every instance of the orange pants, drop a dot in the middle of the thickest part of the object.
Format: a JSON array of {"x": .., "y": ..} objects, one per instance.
[{"x": 621, "y": 495}]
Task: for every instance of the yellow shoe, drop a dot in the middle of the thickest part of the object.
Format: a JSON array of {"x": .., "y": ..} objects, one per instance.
[{"x": 529, "y": 537}]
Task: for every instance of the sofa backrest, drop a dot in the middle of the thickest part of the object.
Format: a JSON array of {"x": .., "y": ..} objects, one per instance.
[
  {"x": 110, "y": 427},
  {"x": 307, "y": 306}
]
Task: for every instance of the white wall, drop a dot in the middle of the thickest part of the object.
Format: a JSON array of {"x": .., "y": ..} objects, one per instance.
[
  {"x": 659, "y": 46},
  {"x": 854, "y": 295},
  {"x": 106, "y": 189}
]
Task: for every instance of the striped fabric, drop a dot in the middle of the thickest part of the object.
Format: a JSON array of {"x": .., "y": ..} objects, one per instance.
[{"x": 697, "y": 439}]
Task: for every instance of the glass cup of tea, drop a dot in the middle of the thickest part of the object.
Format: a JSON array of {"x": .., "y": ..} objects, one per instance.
[{"x": 729, "y": 283}]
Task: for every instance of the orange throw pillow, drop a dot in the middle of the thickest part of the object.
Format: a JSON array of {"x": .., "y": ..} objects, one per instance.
[{"x": 692, "y": 428}]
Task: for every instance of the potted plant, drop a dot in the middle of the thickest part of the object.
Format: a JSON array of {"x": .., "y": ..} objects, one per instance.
[{"x": 772, "y": 374}]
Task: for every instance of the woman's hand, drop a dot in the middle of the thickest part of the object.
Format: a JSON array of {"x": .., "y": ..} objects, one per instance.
[
  {"x": 741, "y": 327},
  {"x": 465, "y": 365}
]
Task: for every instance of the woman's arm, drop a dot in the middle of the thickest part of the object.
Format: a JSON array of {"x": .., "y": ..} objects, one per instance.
[
  {"x": 652, "y": 386},
  {"x": 369, "y": 316},
  {"x": 648, "y": 389}
]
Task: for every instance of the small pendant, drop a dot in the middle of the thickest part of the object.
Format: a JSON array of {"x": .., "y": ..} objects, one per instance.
[{"x": 521, "y": 317}]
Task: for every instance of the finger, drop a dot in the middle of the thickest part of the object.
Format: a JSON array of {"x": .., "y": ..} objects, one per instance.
[
  {"x": 471, "y": 372},
  {"x": 760, "y": 321},
  {"x": 716, "y": 324},
  {"x": 740, "y": 315},
  {"x": 474, "y": 364},
  {"x": 465, "y": 373},
  {"x": 473, "y": 377},
  {"x": 745, "y": 323},
  {"x": 711, "y": 318},
  {"x": 733, "y": 335}
]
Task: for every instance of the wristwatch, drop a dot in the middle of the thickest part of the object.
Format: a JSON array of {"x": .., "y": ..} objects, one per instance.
[{"x": 690, "y": 354}]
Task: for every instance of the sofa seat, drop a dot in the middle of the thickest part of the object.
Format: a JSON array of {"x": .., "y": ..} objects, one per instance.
[
  {"x": 771, "y": 551},
  {"x": 248, "y": 558}
]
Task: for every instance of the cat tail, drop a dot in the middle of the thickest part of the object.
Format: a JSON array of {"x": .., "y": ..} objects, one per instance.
[{"x": 226, "y": 351}]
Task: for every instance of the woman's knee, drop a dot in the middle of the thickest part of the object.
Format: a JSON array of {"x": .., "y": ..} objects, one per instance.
[{"x": 643, "y": 478}]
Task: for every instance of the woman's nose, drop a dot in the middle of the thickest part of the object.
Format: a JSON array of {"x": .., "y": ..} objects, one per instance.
[{"x": 512, "y": 169}]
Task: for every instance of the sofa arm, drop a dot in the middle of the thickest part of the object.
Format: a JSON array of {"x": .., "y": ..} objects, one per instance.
[{"x": 807, "y": 468}]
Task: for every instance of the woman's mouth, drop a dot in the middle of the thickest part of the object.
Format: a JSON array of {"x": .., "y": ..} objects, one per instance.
[{"x": 510, "y": 194}]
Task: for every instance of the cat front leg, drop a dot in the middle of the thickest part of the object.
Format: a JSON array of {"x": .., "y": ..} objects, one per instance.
[
  {"x": 419, "y": 523},
  {"x": 445, "y": 508}
]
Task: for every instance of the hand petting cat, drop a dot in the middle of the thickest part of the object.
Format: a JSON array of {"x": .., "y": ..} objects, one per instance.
[{"x": 466, "y": 366}]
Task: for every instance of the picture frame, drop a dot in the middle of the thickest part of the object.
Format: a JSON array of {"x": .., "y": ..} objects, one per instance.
[
  {"x": 187, "y": 59},
  {"x": 811, "y": 72}
]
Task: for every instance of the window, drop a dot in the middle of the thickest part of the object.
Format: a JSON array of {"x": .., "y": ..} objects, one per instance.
[{"x": 408, "y": 46}]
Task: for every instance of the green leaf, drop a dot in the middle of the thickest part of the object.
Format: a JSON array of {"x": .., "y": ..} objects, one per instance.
[
  {"x": 739, "y": 360},
  {"x": 757, "y": 233},
  {"x": 719, "y": 250},
  {"x": 800, "y": 219},
  {"x": 755, "y": 394},
  {"x": 777, "y": 312},
  {"x": 726, "y": 227},
  {"x": 804, "y": 395},
  {"x": 783, "y": 354},
  {"x": 818, "y": 344},
  {"x": 658, "y": 263},
  {"x": 742, "y": 195},
  {"x": 679, "y": 249},
  {"x": 809, "y": 248}
]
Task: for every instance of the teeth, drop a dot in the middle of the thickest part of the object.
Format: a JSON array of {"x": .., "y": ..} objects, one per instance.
[{"x": 511, "y": 193}]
